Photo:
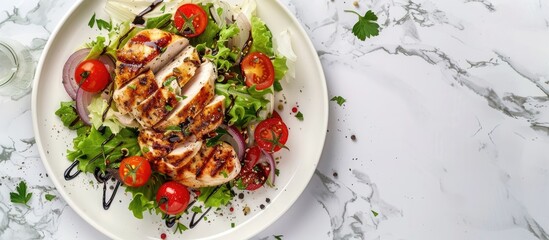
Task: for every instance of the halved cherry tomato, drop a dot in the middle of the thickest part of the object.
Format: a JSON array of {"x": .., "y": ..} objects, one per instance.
[
  {"x": 271, "y": 134},
  {"x": 135, "y": 171},
  {"x": 190, "y": 19},
  {"x": 172, "y": 198},
  {"x": 92, "y": 75},
  {"x": 255, "y": 177},
  {"x": 258, "y": 70}
]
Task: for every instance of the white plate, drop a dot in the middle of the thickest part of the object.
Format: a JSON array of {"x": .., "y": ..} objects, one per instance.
[{"x": 307, "y": 91}]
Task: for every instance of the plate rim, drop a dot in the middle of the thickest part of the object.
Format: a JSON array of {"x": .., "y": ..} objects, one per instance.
[{"x": 77, "y": 208}]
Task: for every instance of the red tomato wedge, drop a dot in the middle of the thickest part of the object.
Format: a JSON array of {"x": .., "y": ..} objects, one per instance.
[
  {"x": 92, "y": 75},
  {"x": 135, "y": 171},
  {"x": 258, "y": 70},
  {"x": 271, "y": 134},
  {"x": 190, "y": 19}
]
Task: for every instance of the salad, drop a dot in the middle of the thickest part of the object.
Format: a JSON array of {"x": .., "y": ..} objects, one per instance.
[{"x": 175, "y": 100}]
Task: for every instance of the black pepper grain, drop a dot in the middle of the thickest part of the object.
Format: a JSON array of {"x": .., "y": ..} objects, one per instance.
[
  {"x": 241, "y": 195},
  {"x": 335, "y": 174},
  {"x": 268, "y": 200},
  {"x": 353, "y": 137},
  {"x": 262, "y": 206}
]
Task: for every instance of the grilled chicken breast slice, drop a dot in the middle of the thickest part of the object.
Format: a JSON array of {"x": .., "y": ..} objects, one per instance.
[
  {"x": 148, "y": 49},
  {"x": 182, "y": 154},
  {"x": 155, "y": 108},
  {"x": 210, "y": 118},
  {"x": 198, "y": 92},
  {"x": 211, "y": 166},
  {"x": 156, "y": 145},
  {"x": 133, "y": 93},
  {"x": 176, "y": 74},
  {"x": 159, "y": 144}
]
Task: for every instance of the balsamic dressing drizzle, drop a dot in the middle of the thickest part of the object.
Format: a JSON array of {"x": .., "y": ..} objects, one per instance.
[
  {"x": 171, "y": 220},
  {"x": 67, "y": 174}
]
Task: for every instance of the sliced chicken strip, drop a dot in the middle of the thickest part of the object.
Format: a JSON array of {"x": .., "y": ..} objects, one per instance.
[
  {"x": 183, "y": 154},
  {"x": 197, "y": 93},
  {"x": 210, "y": 167},
  {"x": 156, "y": 145},
  {"x": 155, "y": 108},
  {"x": 148, "y": 49},
  {"x": 159, "y": 144},
  {"x": 210, "y": 118},
  {"x": 176, "y": 74},
  {"x": 133, "y": 93}
]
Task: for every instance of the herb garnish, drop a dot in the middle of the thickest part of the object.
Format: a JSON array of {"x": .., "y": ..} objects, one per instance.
[
  {"x": 340, "y": 100},
  {"x": 366, "y": 26},
  {"x": 21, "y": 196}
]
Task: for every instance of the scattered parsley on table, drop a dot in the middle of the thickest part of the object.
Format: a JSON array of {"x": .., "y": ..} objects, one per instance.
[
  {"x": 21, "y": 196},
  {"x": 49, "y": 197},
  {"x": 339, "y": 99},
  {"x": 366, "y": 26}
]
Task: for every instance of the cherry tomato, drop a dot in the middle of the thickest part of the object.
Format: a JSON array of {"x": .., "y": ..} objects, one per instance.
[
  {"x": 172, "y": 198},
  {"x": 258, "y": 70},
  {"x": 135, "y": 171},
  {"x": 190, "y": 19},
  {"x": 92, "y": 75},
  {"x": 255, "y": 177},
  {"x": 252, "y": 156},
  {"x": 271, "y": 134}
]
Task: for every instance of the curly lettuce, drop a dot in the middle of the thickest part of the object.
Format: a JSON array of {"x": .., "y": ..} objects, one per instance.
[{"x": 243, "y": 103}]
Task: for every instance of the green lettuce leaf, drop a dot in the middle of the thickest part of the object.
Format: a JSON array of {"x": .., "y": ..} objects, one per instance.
[
  {"x": 245, "y": 102},
  {"x": 220, "y": 196},
  {"x": 97, "y": 47},
  {"x": 69, "y": 117},
  {"x": 262, "y": 37},
  {"x": 97, "y": 107},
  {"x": 144, "y": 197},
  {"x": 89, "y": 151}
]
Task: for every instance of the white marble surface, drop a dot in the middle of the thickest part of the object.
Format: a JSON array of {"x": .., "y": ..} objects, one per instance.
[{"x": 449, "y": 106}]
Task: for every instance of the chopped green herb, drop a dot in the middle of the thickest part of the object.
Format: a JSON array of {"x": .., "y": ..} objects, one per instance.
[
  {"x": 163, "y": 9},
  {"x": 299, "y": 116},
  {"x": 196, "y": 209},
  {"x": 168, "y": 108},
  {"x": 277, "y": 171},
  {"x": 224, "y": 173},
  {"x": 169, "y": 81},
  {"x": 232, "y": 225},
  {"x": 278, "y": 237},
  {"x": 180, "y": 228},
  {"x": 214, "y": 140},
  {"x": 239, "y": 184},
  {"x": 49, "y": 197},
  {"x": 145, "y": 150},
  {"x": 375, "y": 213},
  {"x": 91, "y": 23},
  {"x": 340, "y": 100},
  {"x": 179, "y": 98},
  {"x": 366, "y": 26},
  {"x": 174, "y": 128},
  {"x": 102, "y": 24},
  {"x": 132, "y": 86},
  {"x": 21, "y": 196}
]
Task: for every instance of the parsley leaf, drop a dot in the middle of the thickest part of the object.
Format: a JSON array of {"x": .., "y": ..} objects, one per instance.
[
  {"x": 375, "y": 213},
  {"x": 278, "y": 237},
  {"x": 299, "y": 116},
  {"x": 92, "y": 21},
  {"x": 102, "y": 24},
  {"x": 196, "y": 209},
  {"x": 21, "y": 196},
  {"x": 163, "y": 9},
  {"x": 366, "y": 26},
  {"x": 340, "y": 100},
  {"x": 49, "y": 197},
  {"x": 180, "y": 227}
]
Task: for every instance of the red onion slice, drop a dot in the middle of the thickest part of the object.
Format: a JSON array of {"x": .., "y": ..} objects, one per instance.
[
  {"x": 268, "y": 158},
  {"x": 83, "y": 100},
  {"x": 236, "y": 140},
  {"x": 68, "y": 71}
]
